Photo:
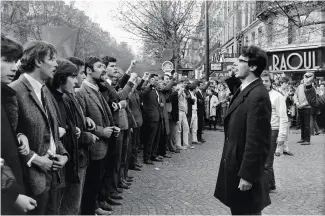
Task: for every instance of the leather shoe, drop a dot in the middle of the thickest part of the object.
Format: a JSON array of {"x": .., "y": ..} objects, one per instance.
[
  {"x": 156, "y": 159},
  {"x": 128, "y": 180},
  {"x": 288, "y": 153},
  {"x": 135, "y": 168},
  {"x": 105, "y": 206},
  {"x": 149, "y": 162},
  {"x": 305, "y": 143},
  {"x": 117, "y": 197},
  {"x": 119, "y": 190},
  {"x": 100, "y": 211},
  {"x": 160, "y": 157},
  {"x": 130, "y": 177},
  {"x": 112, "y": 202},
  {"x": 167, "y": 156},
  {"x": 301, "y": 141},
  {"x": 126, "y": 183},
  {"x": 138, "y": 165},
  {"x": 202, "y": 141},
  {"x": 124, "y": 186},
  {"x": 277, "y": 154}
]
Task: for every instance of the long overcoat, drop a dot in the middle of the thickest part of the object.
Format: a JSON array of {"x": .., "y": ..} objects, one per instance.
[{"x": 247, "y": 143}]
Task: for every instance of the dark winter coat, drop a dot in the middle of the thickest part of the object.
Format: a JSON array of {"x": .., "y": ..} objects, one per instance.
[{"x": 247, "y": 143}]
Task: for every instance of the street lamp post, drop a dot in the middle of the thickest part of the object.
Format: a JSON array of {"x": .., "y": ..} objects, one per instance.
[{"x": 207, "y": 53}]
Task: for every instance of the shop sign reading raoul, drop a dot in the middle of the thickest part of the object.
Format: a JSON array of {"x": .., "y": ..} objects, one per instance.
[{"x": 293, "y": 61}]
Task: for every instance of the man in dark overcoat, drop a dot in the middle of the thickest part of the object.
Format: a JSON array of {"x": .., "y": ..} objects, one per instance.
[{"x": 240, "y": 184}]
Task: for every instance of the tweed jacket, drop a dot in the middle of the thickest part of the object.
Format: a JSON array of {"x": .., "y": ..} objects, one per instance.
[
  {"x": 95, "y": 107},
  {"x": 28, "y": 116}
]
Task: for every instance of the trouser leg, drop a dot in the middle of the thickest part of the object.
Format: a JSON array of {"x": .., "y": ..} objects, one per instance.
[{"x": 269, "y": 171}]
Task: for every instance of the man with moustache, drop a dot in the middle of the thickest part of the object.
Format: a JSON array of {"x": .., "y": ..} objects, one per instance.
[
  {"x": 33, "y": 114},
  {"x": 241, "y": 185},
  {"x": 94, "y": 106}
]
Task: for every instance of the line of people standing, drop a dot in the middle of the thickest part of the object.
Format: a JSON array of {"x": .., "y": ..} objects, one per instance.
[{"x": 72, "y": 128}]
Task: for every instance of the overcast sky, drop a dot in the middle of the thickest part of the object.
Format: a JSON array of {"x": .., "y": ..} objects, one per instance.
[{"x": 103, "y": 13}]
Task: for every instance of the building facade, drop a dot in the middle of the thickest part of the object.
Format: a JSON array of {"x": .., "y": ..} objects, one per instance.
[{"x": 292, "y": 33}]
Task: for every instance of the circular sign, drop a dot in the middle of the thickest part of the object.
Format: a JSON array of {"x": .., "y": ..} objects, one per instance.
[
  {"x": 167, "y": 66},
  {"x": 167, "y": 54}
]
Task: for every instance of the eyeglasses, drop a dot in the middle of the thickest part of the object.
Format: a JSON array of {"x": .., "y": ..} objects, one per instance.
[{"x": 242, "y": 60}]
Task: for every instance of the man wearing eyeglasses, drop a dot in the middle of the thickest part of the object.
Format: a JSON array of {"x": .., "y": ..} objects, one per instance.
[{"x": 240, "y": 184}]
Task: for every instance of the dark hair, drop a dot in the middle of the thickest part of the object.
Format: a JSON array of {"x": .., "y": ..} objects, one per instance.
[
  {"x": 90, "y": 61},
  {"x": 11, "y": 49},
  {"x": 152, "y": 76},
  {"x": 35, "y": 50},
  {"x": 107, "y": 59},
  {"x": 256, "y": 57},
  {"x": 65, "y": 69},
  {"x": 284, "y": 80},
  {"x": 77, "y": 61}
]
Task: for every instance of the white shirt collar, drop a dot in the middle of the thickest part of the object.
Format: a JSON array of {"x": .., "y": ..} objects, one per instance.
[
  {"x": 95, "y": 87},
  {"x": 242, "y": 87},
  {"x": 36, "y": 85}
]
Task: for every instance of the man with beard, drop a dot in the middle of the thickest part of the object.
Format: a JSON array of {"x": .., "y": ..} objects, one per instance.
[
  {"x": 241, "y": 185},
  {"x": 34, "y": 114},
  {"x": 94, "y": 106}
]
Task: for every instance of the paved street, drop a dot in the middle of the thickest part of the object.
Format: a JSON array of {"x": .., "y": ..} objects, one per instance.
[{"x": 185, "y": 184}]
